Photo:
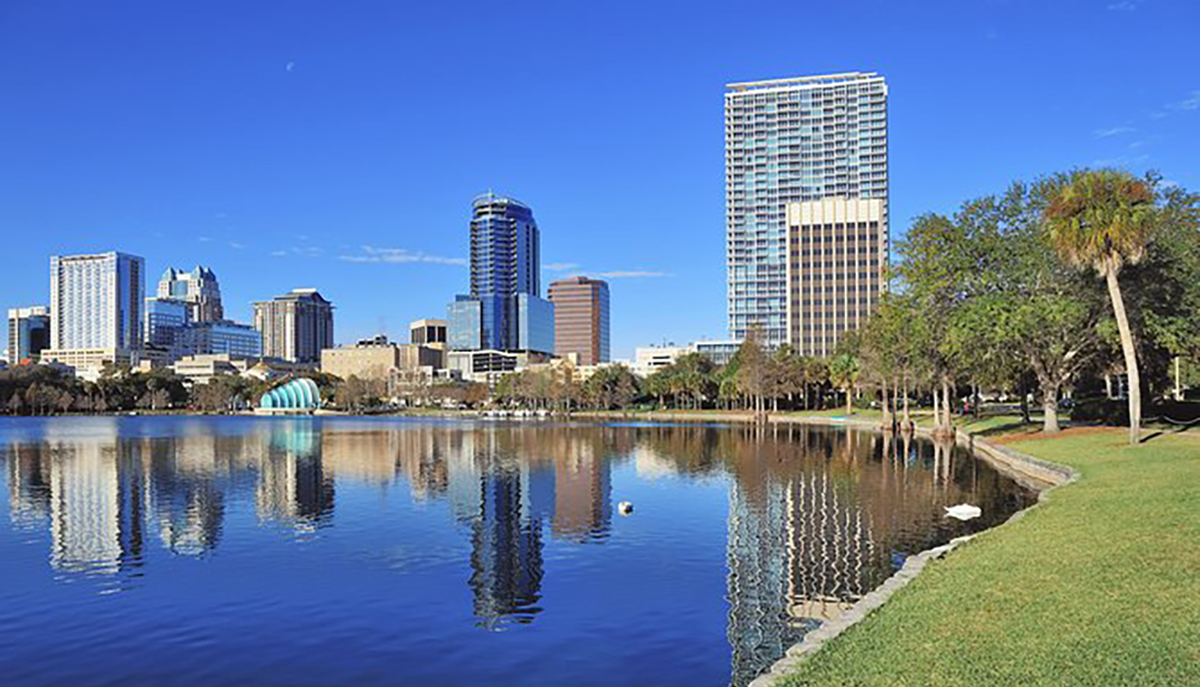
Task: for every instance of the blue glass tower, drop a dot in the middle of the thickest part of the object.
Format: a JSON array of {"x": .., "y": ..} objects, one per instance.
[{"x": 504, "y": 310}]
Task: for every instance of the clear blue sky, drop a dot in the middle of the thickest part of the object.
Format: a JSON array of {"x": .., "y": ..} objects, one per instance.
[{"x": 178, "y": 131}]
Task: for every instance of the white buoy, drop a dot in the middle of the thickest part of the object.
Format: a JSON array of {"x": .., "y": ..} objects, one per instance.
[
  {"x": 963, "y": 511},
  {"x": 624, "y": 508}
]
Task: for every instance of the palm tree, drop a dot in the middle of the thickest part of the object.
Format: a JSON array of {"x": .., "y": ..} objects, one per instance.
[
  {"x": 843, "y": 372},
  {"x": 1105, "y": 219}
]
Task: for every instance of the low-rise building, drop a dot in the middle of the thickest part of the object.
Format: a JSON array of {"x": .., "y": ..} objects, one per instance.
[
  {"x": 649, "y": 359},
  {"x": 376, "y": 358},
  {"x": 428, "y": 333},
  {"x": 217, "y": 337},
  {"x": 200, "y": 369},
  {"x": 489, "y": 365},
  {"x": 88, "y": 362}
]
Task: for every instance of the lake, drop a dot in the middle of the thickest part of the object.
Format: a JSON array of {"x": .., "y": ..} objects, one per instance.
[{"x": 383, "y": 551}]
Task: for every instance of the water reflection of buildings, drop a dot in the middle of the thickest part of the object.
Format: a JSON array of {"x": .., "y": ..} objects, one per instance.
[
  {"x": 91, "y": 494},
  {"x": 807, "y": 540},
  {"x": 293, "y": 486}
]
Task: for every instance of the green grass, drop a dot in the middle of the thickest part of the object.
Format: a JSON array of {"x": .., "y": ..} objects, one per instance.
[{"x": 1100, "y": 585}]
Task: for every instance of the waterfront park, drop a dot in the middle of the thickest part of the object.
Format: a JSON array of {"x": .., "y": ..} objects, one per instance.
[{"x": 1037, "y": 353}]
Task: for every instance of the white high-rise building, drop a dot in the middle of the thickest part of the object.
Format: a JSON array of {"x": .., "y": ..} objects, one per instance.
[
  {"x": 793, "y": 140},
  {"x": 95, "y": 308}
]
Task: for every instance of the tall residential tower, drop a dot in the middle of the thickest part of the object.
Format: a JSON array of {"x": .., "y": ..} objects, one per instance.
[
  {"x": 790, "y": 141},
  {"x": 95, "y": 309},
  {"x": 296, "y": 326}
]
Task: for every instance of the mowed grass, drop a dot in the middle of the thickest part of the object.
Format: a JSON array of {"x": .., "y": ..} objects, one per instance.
[{"x": 1099, "y": 585}]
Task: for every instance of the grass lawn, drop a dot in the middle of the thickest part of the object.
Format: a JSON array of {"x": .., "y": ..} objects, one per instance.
[{"x": 1100, "y": 585}]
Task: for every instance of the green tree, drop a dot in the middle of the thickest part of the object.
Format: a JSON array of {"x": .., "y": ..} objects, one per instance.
[
  {"x": 1105, "y": 219},
  {"x": 843, "y": 373}
]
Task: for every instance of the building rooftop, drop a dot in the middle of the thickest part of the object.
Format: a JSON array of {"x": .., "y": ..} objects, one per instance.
[{"x": 813, "y": 81}]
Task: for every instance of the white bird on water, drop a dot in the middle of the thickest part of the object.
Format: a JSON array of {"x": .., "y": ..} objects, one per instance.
[
  {"x": 625, "y": 508},
  {"x": 963, "y": 511}
]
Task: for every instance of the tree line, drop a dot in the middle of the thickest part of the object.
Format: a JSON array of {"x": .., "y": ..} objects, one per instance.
[{"x": 1034, "y": 291}]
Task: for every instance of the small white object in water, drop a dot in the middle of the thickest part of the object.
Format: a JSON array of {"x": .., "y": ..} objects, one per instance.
[
  {"x": 963, "y": 511},
  {"x": 624, "y": 508}
]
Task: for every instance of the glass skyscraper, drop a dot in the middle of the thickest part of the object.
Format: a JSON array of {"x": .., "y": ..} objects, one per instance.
[
  {"x": 504, "y": 310},
  {"x": 786, "y": 141}
]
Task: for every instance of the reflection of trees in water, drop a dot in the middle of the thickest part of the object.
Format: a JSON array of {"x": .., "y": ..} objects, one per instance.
[
  {"x": 816, "y": 518},
  {"x": 808, "y": 538}
]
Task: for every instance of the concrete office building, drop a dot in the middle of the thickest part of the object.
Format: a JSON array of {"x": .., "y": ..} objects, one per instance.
[
  {"x": 378, "y": 359},
  {"x": 489, "y": 366},
  {"x": 793, "y": 140},
  {"x": 198, "y": 289},
  {"x": 427, "y": 332},
  {"x": 28, "y": 333},
  {"x": 835, "y": 270},
  {"x": 296, "y": 326},
  {"x": 649, "y": 359},
  {"x": 95, "y": 309},
  {"x": 581, "y": 319},
  {"x": 504, "y": 310}
]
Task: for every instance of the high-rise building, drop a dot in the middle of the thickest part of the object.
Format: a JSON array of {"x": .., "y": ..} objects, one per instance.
[
  {"x": 96, "y": 302},
  {"x": 28, "y": 333},
  {"x": 504, "y": 310},
  {"x": 295, "y": 326},
  {"x": 834, "y": 270},
  {"x": 581, "y": 319},
  {"x": 793, "y": 140},
  {"x": 198, "y": 288}
]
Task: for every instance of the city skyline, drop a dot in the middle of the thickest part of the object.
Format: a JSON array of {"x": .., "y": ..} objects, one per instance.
[{"x": 232, "y": 159}]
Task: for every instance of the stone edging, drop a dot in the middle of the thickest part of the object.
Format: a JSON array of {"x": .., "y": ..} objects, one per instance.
[{"x": 1033, "y": 472}]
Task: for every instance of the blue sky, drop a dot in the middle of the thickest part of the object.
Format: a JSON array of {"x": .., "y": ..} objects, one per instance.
[{"x": 179, "y": 132}]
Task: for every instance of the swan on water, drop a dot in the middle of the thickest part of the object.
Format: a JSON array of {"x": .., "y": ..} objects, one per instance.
[{"x": 963, "y": 511}]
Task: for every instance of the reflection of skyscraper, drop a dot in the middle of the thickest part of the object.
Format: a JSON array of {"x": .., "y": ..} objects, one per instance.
[
  {"x": 28, "y": 485},
  {"x": 506, "y": 545},
  {"x": 292, "y": 483},
  {"x": 96, "y": 504},
  {"x": 187, "y": 501},
  {"x": 582, "y": 507},
  {"x": 799, "y": 554}
]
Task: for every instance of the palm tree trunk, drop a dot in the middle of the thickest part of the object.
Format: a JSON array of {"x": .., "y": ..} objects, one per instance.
[
  {"x": 1131, "y": 364},
  {"x": 937, "y": 408},
  {"x": 907, "y": 416},
  {"x": 887, "y": 408}
]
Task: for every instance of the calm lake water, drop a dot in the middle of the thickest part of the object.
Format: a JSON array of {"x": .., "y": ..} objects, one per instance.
[{"x": 242, "y": 551}]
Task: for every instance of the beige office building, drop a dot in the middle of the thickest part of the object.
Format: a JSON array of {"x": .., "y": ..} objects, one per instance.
[
  {"x": 581, "y": 319},
  {"x": 835, "y": 269},
  {"x": 378, "y": 360}
]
